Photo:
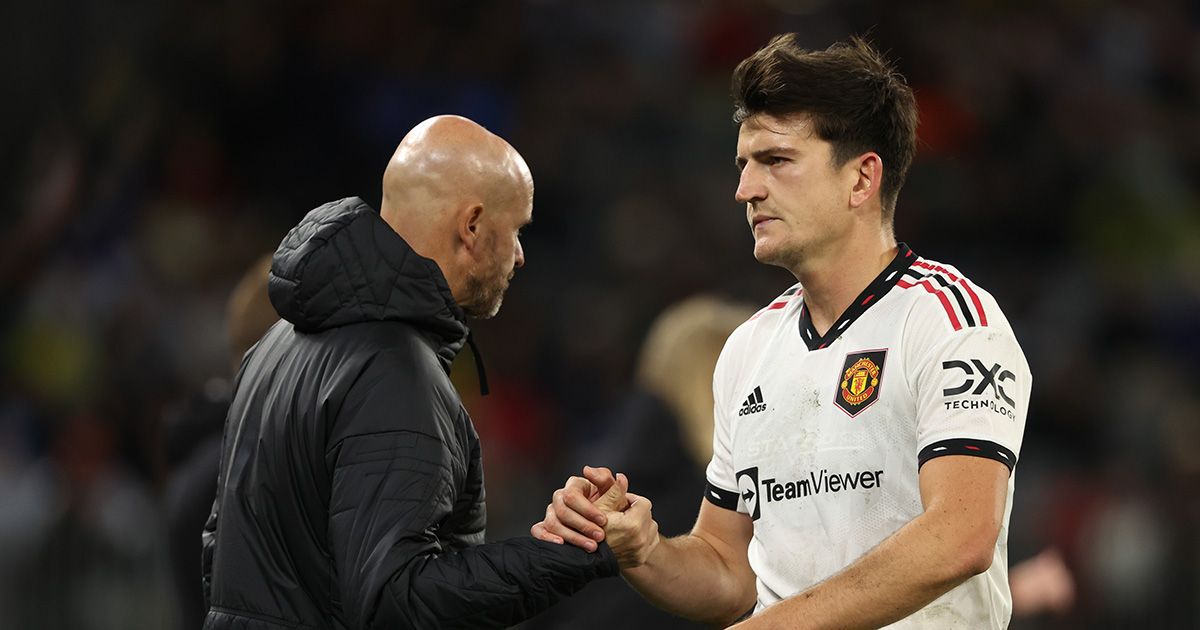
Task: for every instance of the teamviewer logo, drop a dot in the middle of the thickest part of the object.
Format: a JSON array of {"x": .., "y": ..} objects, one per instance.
[{"x": 747, "y": 482}]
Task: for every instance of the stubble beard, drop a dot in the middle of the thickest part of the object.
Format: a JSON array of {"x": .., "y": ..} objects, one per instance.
[
  {"x": 782, "y": 253},
  {"x": 485, "y": 293}
]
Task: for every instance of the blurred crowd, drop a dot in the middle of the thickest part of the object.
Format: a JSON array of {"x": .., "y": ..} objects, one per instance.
[{"x": 152, "y": 152}]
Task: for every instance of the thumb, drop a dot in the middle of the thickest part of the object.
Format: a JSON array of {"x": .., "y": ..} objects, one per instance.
[
  {"x": 614, "y": 499},
  {"x": 638, "y": 503},
  {"x": 601, "y": 478}
]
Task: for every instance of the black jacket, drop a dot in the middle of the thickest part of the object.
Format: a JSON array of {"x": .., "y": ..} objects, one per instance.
[{"x": 351, "y": 491}]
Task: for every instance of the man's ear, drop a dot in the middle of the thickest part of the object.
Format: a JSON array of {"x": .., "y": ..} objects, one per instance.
[
  {"x": 468, "y": 225},
  {"x": 868, "y": 177}
]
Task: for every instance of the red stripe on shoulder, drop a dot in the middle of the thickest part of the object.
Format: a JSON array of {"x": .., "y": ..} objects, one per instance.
[
  {"x": 974, "y": 300},
  {"x": 962, "y": 282},
  {"x": 779, "y": 303},
  {"x": 771, "y": 307},
  {"x": 924, "y": 265},
  {"x": 903, "y": 284}
]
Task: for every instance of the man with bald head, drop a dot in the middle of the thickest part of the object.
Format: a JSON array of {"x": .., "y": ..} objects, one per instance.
[
  {"x": 350, "y": 492},
  {"x": 435, "y": 190}
]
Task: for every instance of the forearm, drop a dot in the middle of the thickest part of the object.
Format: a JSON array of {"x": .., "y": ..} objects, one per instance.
[
  {"x": 487, "y": 586},
  {"x": 908, "y": 570},
  {"x": 688, "y": 577}
]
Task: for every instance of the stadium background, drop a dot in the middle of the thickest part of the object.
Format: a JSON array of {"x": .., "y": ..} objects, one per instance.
[{"x": 152, "y": 151}]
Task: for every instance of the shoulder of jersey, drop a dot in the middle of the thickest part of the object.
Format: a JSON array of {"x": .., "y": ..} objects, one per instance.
[
  {"x": 939, "y": 292},
  {"x": 769, "y": 316},
  {"x": 777, "y": 306}
]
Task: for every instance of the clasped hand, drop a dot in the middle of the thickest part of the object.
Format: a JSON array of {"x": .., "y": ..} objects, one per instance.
[{"x": 599, "y": 507}]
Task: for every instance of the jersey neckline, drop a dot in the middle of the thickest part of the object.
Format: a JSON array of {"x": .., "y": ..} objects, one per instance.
[{"x": 865, "y": 300}]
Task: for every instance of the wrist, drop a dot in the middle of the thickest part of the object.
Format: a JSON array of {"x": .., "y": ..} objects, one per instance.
[
  {"x": 646, "y": 560},
  {"x": 652, "y": 547}
]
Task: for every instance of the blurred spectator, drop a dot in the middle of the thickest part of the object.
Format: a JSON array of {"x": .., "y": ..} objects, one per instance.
[
  {"x": 193, "y": 446},
  {"x": 661, "y": 438},
  {"x": 1040, "y": 584}
]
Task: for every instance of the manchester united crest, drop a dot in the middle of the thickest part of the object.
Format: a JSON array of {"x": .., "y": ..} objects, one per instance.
[{"x": 859, "y": 381}]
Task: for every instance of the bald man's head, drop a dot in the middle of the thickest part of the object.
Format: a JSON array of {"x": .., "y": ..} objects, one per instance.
[{"x": 459, "y": 194}]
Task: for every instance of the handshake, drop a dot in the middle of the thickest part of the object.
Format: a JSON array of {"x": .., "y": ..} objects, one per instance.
[{"x": 599, "y": 507}]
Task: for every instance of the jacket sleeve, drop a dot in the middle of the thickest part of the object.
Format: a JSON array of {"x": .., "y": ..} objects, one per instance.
[
  {"x": 208, "y": 536},
  {"x": 389, "y": 492},
  {"x": 208, "y": 540}
]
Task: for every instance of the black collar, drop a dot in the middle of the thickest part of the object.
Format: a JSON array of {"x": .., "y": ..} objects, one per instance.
[{"x": 870, "y": 295}]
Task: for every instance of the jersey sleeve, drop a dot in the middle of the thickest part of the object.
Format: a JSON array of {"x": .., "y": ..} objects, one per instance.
[
  {"x": 972, "y": 394},
  {"x": 721, "y": 488}
]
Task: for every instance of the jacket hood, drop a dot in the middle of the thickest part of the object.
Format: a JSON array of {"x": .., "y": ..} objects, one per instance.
[{"x": 343, "y": 265}]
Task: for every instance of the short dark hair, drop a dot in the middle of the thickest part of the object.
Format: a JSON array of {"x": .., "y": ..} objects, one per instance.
[{"x": 857, "y": 100}]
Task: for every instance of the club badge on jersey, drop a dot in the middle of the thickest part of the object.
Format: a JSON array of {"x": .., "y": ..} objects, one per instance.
[{"x": 859, "y": 381}]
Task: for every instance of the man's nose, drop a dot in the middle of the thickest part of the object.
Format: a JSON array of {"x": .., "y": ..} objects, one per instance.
[
  {"x": 750, "y": 187},
  {"x": 520, "y": 260}
]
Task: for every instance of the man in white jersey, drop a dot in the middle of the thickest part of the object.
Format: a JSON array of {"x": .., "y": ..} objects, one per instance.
[{"x": 868, "y": 420}]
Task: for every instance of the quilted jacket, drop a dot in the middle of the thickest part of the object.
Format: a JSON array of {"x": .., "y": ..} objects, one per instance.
[{"x": 350, "y": 492}]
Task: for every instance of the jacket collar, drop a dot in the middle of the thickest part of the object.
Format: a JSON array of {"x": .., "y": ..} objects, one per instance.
[{"x": 342, "y": 264}]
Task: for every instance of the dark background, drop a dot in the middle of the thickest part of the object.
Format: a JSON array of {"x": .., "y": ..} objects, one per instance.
[{"x": 150, "y": 151}]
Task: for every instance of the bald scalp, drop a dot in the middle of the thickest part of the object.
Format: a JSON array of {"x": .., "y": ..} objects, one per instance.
[
  {"x": 459, "y": 195},
  {"x": 442, "y": 167}
]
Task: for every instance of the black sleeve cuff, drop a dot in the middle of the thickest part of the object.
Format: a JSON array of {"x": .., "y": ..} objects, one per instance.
[
  {"x": 720, "y": 497},
  {"x": 974, "y": 448},
  {"x": 606, "y": 561}
]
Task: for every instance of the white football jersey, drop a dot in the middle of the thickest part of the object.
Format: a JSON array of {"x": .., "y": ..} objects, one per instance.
[{"x": 820, "y": 438}]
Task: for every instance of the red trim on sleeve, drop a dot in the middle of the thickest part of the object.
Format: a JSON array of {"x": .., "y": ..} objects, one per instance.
[
  {"x": 771, "y": 307},
  {"x": 904, "y": 284},
  {"x": 963, "y": 281},
  {"x": 924, "y": 265},
  {"x": 974, "y": 300}
]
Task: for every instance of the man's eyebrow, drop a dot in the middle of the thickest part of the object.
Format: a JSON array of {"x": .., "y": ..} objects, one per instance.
[
  {"x": 773, "y": 150},
  {"x": 740, "y": 161}
]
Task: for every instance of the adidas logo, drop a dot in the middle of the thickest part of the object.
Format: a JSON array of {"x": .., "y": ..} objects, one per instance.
[{"x": 753, "y": 404}]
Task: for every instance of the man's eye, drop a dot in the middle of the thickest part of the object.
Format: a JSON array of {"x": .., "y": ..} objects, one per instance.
[{"x": 772, "y": 160}]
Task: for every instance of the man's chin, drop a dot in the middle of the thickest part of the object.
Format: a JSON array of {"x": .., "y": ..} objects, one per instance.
[
  {"x": 774, "y": 256},
  {"x": 765, "y": 253},
  {"x": 488, "y": 314},
  {"x": 486, "y": 309}
]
